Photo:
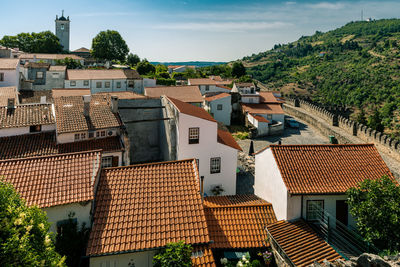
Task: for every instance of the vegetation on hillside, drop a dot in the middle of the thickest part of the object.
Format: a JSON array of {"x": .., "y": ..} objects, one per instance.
[
  {"x": 357, "y": 65},
  {"x": 42, "y": 42}
]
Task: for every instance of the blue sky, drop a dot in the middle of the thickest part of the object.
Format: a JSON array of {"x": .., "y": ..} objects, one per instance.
[{"x": 182, "y": 30}]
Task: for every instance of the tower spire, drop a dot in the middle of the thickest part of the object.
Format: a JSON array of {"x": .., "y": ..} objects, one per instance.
[{"x": 62, "y": 12}]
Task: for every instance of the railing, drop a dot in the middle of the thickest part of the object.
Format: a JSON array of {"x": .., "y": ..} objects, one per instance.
[{"x": 344, "y": 239}]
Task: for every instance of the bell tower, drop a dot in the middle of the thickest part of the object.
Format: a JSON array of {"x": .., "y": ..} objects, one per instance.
[{"x": 62, "y": 30}]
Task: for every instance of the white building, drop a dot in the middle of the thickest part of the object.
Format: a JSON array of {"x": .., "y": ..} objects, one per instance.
[
  {"x": 213, "y": 84},
  {"x": 48, "y": 58},
  {"x": 219, "y": 106},
  {"x": 198, "y": 137},
  {"x": 58, "y": 184},
  {"x": 301, "y": 181},
  {"x": 105, "y": 80},
  {"x": 9, "y": 72}
]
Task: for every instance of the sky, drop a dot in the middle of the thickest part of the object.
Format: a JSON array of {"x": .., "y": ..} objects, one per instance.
[{"x": 185, "y": 30}]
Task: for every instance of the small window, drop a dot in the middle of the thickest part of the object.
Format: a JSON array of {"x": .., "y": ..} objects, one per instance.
[
  {"x": 106, "y": 162},
  {"x": 315, "y": 209},
  {"x": 219, "y": 107},
  {"x": 118, "y": 84},
  {"x": 62, "y": 26},
  {"x": 77, "y": 136},
  {"x": 72, "y": 83},
  {"x": 83, "y": 136},
  {"x": 98, "y": 84},
  {"x": 85, "y": 83},
  {"x": 1, "y": 77},
  {"x": 107, "y": 84},
  {"x": 269, "y": 116},
  {"x": 56, "y": 75},
  {"x": 35, "y": 128},
  {"x": 91, "y": 134},
  {"x": 131, "y": 84},
  {"x": 97, "y": 134},
  {"x": 198, "y": 164},
  {"x": 103, "y": 133},
  {"x": 207, "y": 88},
  {"x": 194, "y": 134},
  {"x": 39, "y": 75},
  {"x": 215, "y": 165}
]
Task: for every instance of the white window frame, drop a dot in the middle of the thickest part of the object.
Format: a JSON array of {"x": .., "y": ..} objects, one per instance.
[
  {"x": 269, "y": 116},
  {"x": 72, "y": 83},
  {"x": 215, "y": 165},
  {"x": 194, "y": 135},
  {"x": 99, "y": 84},
  {"x": 107, "y": 84},
  {"x": 311, "y": 209},
  {"x": 83, "y": 136},
  {"x": 39, "y": 76},
  {"x": 207, "y": 88},
  {"x": 86, "y": 83},
  {"x": 62, "y": 27},
  {"x": 56, "y": 75},
  {"x": 118, "y": 84},
  {"x": 106, "y": 161},
  {"x": 77, "y": 136}
]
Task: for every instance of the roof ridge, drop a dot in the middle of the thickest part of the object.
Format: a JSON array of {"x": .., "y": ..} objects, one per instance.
[
  {"x": 236, "y": 205},
  {"x": 321, "y": 145},
  {"x": 149, "y": 164},
  {"x": 52, "y": 155}
]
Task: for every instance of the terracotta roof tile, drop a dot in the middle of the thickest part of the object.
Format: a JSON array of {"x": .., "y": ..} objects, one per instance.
[
  {"x": 53, "y": 180},
  {"x": 81, "y": 50},
  {"x": 58, "y": 68},
  {"x": 146, "y": 206},
  {"x": 32, "y": 145},
  {"x": 224, "y": 137},
  {"x": 260, "y": 118},
  {"x": 300, "y": 243},
  {"x": 26, "y": 115},
  {"x": 216, "y": 96},
  {"x": 59, "y": 92},
  {"x": 8, "y": 63},
  {"x": 269, "y": 98},
  {"x": 238, "y": 221},
  {"x": 49, "y": 56},
  {"x": 308, "y": 169},
  {"x": 223, "y": 86},
  {"x": 263, "y": 108},
  {"x": 208, "y": 81},
  {"x": 32, "y": 97},
  {"x": 203, "y": 257},
  {"x": 123, "y": 95},
  {"x": 70, "y": 117},
  {"x": 245, "y": 84},
  {"x": 37, "y": 65},
  {"x": 6, "y": 93},
  {"x": 191, "y": 110},
  {"x": 188, "y": 94}
]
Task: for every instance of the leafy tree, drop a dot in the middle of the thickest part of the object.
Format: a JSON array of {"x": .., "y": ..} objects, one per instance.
[
  {"x": 109, "y": 45},
  {"x": 70, "y": 63},
  {"x": 72, "y": 241},
  {"x": 42, "y": 42},
  {"x": 24, "y": 236},
  {"x": 375, "y": 121},
  {"x": 238, "y": 70},
  {"x": 361, "y": 117},
  {"x": 173, "y": 255},
  {"x": 376, "y": 206},
  {"x": 132, "y": 59},
  {"x": 144, "y": 67}
]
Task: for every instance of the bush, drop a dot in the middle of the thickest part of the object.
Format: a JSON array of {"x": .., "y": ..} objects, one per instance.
[
  {"x": 173, "y": 255},
  {"x": 164, "y": 81}
]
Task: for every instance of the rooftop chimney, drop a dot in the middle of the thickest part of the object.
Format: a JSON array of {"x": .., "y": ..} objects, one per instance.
[
  {"x": 43, "y": 100},
  {"x": 114, "y": 104},
  {"x": 202, "y": 188},
  {"x": 86, "y": 104},
  {"x": 11, "y": 103}
]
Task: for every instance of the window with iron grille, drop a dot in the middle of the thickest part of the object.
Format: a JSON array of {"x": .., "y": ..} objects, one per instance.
[
  {"x": 315, "y": 210},
  {"x": 77, "y": 136},
  {"x": 98, "y": 84},
  {"x": 83, "y": 136},
  {"x": 215, "y": 165},
  {"x": 194, "y": 135},
  {"x": 107, "y": 84},
  {"x": 207, "y": 88},
  {"x": 106, "y": 162}
]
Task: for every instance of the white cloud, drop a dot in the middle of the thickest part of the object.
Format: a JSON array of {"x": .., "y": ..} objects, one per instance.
[
  {"x": 327, "y": 5},
  {"x": 105, "y": 14},
  {"x": 289, "y": 3}
]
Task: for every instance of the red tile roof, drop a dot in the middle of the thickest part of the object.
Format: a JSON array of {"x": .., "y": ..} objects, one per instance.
[
  {"x": 203, "y": 258},
  {"x": 146, "y": 206},
  {"x": 26, "y": 115},
  {"x": 188, "y": 94},
  {"x": 191, "y": 110},
  {"x": 208, "y": 81},
  {"x": 327, "y": 169},
  {"x": 269, "y": 98},
  {"x": 70, "y": 116},
  {"x": 81, "y": 50},
  {"x": 238, "y": 221},
  {"x": 224, "y": 137},
  {"x": 59, "y": 92},
  {"x": 123, "y": 95},
  {"x": 40, "y": 144},
  {"x": 49, "y": 56},
  {"x": 223, "y": 86},
  {"x": 8, "y": 63},
  {"x": 260, "y": 118},
  {"x": 300, "y": 243},
  {"x": 216, "y": 96},
  {"x": 6, "y": 93},
  {"x": 53, "y": 180},
  {"x": 263, "y": 108}
]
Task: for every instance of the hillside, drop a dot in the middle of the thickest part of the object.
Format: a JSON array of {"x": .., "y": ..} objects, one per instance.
[{"x": 357, "y": 65}]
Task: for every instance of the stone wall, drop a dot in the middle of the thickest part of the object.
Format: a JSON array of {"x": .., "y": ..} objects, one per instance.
[{"x": 383, "y": 142}]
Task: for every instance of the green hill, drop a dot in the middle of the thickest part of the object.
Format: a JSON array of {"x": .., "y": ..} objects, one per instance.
[{"x": 357, "y": 65}]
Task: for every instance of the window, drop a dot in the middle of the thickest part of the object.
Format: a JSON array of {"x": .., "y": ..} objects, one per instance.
[
  {"x": 269, "y": 116},
  {"x": 194, "y": 135},
  {"x": 198, "y": 164},
  {"x": 97, "y": 134},
  {"x": 219, "y": 107},
  {"x": 56, "y": 75},
  {"x": 39, "y": 75},
  {"x": 107, "y": 84},
  {"x": 215, "y": 165},
  {"x": 83, "y": 135},
  {"x": 118, "y": 84},
  {"x": 1, "y": 77},
  {"x": 103, "y": 133},
  {"x": 35, "y": 128},
  {"x": 250, "y": 100},
  {"x": 62, "y": 27},
  {"x": 77, "y": 136},
  {"x": 207, "y": 88},
  {"x": 315, "y": 210},
  {"x": 106, "y": 162},
  {"x": 130, "y": 84},
  {"x": 72, "y": 83},
  {"x": 91, "y": 134},
  {"x": 85, "y": 83},
  {"x": 61, "y": 225},
  {"x": 98, "y": 84}
]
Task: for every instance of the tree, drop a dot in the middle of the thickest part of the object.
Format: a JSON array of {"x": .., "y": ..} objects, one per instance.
[
  {"x": 376, "y": 206},
  {"x": 144, "y": 67},
  {"x": 24, "y": 233},
  {"x": 174, "y": 254},
  {"x": 70, "y": 63},
  {"x": 375, "y": 121},
  {"x": 238, "y": 70},
  {"x": 109, "y": 45},
  {"x": 132, "y": 59},
  {"x": 42, "y": 42}
]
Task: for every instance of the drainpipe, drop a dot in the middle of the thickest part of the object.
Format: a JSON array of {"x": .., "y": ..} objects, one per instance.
[
  {"x": 202, "y": 188},
  {"x": 301, "y": 206}
]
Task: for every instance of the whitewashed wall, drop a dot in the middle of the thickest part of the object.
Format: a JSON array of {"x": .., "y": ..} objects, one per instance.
[
  {"x": 139, "y": 259},
  {"x": 11, "y": 78},
  {"x": 212, "y": 88},
  {"x": 223, "y": 115}
]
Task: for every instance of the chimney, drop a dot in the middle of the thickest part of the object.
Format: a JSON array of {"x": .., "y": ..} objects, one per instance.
[
  {"x": 43, "y": 100},
  {"x": 202, "y": 188},
  {"x": 114, "y": 104},
  {"x": 86, "y": 104},
  {"x": 11, "y": 103}
]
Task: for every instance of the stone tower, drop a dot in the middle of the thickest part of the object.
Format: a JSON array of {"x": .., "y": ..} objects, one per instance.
[{"x": 62, "y": 30}]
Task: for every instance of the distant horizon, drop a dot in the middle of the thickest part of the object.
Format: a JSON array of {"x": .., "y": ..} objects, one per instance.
[{"x": 191, "y": 30}]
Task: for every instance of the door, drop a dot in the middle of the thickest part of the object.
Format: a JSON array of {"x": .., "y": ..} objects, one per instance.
[{"x": 342, "y": 211}]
